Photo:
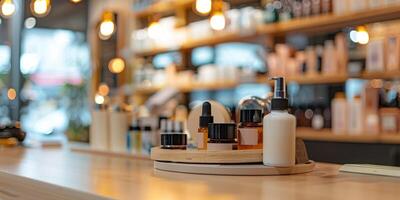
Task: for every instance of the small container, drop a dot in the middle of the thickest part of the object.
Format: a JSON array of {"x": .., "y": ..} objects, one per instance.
[
  {"x": 147, "y": 135},
  {"x": 250, "y": 130},
  {"x": 204, "y": 120},
  {"x": 135, "y": 136},
  {"x": 389, "y": 120},
  {"x": 172, "y": 138},
  {"x": 221, "y": 136}
]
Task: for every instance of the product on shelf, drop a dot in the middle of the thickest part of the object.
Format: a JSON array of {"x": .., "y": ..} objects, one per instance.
[{"x": 339, "y": 114}]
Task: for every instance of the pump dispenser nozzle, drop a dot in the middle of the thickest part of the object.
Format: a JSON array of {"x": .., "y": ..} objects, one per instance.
[
  {"x": 279, "y": 101},
  {"x": 280, "y": 87}
]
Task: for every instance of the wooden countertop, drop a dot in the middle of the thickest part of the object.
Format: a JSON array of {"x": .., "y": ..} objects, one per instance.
[{"x": 123, "y": 178}]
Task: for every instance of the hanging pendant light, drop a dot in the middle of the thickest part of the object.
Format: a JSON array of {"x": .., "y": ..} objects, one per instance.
[
  {"x": 7, "y": 8},
  {"x": 203, "y": 7},
  {"x": 217, "y": 19},
  {"x": 40, "y": 8},
  {"x": 107, "y": 25}
]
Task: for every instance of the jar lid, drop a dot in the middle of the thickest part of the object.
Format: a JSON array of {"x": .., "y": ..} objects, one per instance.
[
  {"x": 173, "y": 139},
  {"x": 250, "y": 115},
  {"x": 222, "y": 132}
]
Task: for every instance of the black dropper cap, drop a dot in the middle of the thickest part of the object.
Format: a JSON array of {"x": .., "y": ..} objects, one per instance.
[
  {"x": 279, "y": 101},
  {"x": 206, "y": 116},
  {"x": 250, "y": 115}
]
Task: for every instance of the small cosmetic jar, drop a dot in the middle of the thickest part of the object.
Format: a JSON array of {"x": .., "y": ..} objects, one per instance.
[
  {"x": 173, "y": 141},
  {"x": 222, "y": 136}
]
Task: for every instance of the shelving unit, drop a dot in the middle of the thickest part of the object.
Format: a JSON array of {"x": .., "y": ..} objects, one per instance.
[
  {"x": 309, "y": 25},
  {"x": 303, "y": 80},
  {"x": 328, "y": 135}
]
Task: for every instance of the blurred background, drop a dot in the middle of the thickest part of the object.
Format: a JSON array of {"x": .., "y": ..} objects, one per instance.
[{"x": 64, "y": 61}]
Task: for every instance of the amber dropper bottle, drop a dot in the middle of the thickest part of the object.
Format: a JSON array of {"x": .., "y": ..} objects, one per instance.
[{"x": 204, "y": 120}]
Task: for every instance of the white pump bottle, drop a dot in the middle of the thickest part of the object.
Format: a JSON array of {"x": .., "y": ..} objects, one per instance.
[{"x": 279, "y": 130}]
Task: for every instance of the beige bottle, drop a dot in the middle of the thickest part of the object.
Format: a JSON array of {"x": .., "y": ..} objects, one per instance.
[
  {"x": 339, "y": 114},
  {"x": 279, "y": 130}
]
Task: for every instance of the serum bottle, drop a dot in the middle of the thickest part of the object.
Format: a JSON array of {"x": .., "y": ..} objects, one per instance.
[
  {"x": 279, "y": 130},
  {"x": 205, "y": 119}
]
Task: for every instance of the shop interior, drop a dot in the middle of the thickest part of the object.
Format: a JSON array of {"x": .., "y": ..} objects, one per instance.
[{"x": 117, "y": 98}]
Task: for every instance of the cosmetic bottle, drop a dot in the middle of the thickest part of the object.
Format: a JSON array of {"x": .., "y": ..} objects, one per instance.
[
  {"x": 317, "y": 122},
  {"x": 221, "y": 136},
  {"x": 339, "y": 114},
  {"x": 271, "y": 14},
  {"x": 173, "y": 138},
  {"x": 136, "y": 138},
  {"x": 204, "y": 120},
  {"x": 147, "y": 135},
  {"x": 279, "y": 130},
  {"x": 250, "y": 129},
  {"x": 356, "y": 119}
]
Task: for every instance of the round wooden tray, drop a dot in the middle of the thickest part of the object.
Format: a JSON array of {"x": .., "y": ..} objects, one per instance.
[
  {"x": 230, "y": 169},
  {"x": 207, "y": 156}
]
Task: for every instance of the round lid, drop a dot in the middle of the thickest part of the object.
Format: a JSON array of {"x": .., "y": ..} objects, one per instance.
[
  {"x": 250, "y": 115},
  {"x": 222, "y": 132}
]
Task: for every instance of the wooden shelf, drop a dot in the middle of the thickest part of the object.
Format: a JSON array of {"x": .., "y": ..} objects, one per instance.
[
  {"x": 331, "y": 21},
  {"x": 163, "y": 6},
  {"x": 327, "y": 135},
  {"x": 310, "y": 25},
  {"x": 191, "y": 44},
  {"x": 317, "y": 79},
  {"x": 381, "y": 75}
]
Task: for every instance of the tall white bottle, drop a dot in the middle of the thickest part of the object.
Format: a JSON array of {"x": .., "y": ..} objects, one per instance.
[{"x": 279, "y": 130}]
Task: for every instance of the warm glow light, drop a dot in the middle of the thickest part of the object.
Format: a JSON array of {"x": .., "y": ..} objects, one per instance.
[
  {"x": 11, "y": 94},
  {"x": 104, "y": 89},
  {"x": 7, "y": 8},
  {"x": 203, "y": 6},
  {"x": 154, "y": 30},
  {"x": 98, "y": 99},
  {"x": 362, "y": 37},
  {"x": 40, "y": 8},
  {"x": 116, "y": 65},
  {"x": 76, "y": 1},
  {"x": 217, "y": 21},
  {"x": 107, "y": 26}
]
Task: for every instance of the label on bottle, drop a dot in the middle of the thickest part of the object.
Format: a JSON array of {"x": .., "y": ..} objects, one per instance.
[
  {"x": 199, "y": 137},
  {"x": 248, "y": 136}
]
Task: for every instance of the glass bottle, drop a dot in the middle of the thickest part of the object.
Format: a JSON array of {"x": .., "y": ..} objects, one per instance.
[
  {"x": 250, "y": 130},
  {"x": 204, "y": 120}
]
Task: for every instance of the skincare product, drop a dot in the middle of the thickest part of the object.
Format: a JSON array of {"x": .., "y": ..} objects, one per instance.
[
  {"x": 389, "y": 120},
  {"x": 317, "y": 121},
  {"x": 393, "y": 53},
  {"x": 147, "y": 135},
  {"x": 118, "y": 128},
  {"x": 250, "y": 129},
  {"x": 204, "y": 120},
  {"x": 221, "y": 136},
  {"x": 375, "y": 56},
  {"x": 173, "y": 138},
  {"x": 370, "y": 103},
  {"x": 356, "y": 119},
  {"x": 329, "y": 60},
  {"x": 339, "y": 114},
  {"x": 279, "y": 131},
  {"x": 136, "y": 138},
  {"x": 99, "y": 132}
]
